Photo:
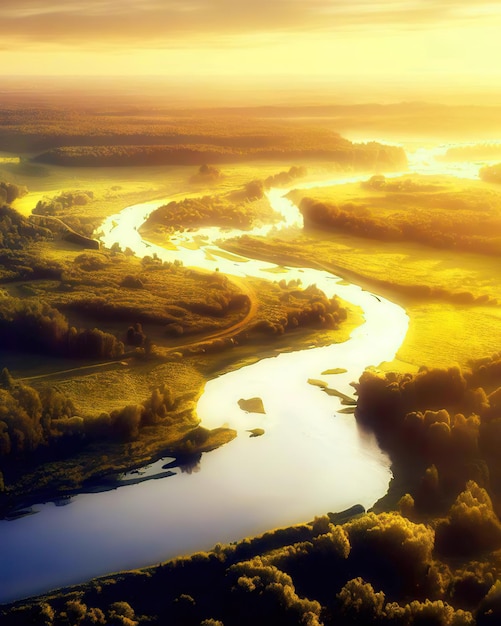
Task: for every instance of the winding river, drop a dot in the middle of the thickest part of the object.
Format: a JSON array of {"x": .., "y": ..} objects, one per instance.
[{"x": 311, "y": 459}]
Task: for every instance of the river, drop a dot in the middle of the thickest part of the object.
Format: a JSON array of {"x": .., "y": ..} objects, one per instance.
[{"x": 311, "y": 459}]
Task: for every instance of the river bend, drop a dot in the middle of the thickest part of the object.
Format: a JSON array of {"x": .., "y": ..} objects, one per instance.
[{"x": 311, "y": 459}]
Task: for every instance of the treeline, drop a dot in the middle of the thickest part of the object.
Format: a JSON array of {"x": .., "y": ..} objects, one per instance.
[
  {"x": 491, "y": 173},
  {"x": 372, "y": 570},
  {"x": 357, "y": 156},
  {"x": 29, "y": 419},
  {"x": 378, "y": 182},
  {"x": 125, "y": 137},
  {"x": 448, "y": 419},
  {"x": 64, "y": 200},
  {"x": 207, "y": 174},
  {"x": 114, "y": 156},
  {"x": 10, "y": 192},
  {"x": 47, "y": 420},
  {"x": 16, "y": 232},
  {"x": 29, "y": 325},
  {"x": 300, "y": 308},
  {"x": 285, "y": 178},
  {"x": 447, "y": 220},
  {"x": 31, "y": 130},
  {"x": 237, "y": 209},
  {"x": 473, "y": 152}
]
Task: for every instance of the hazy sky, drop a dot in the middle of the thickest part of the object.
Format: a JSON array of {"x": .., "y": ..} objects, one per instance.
[{"x": 416, "y": 42}]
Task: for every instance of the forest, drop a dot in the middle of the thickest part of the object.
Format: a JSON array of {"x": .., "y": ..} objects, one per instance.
[
  {"x": 438, "y": 214},
  {"x": 61, "y": 136},
  {"x": 241, "y": 208},
  {"x": 237, "y": 209}
]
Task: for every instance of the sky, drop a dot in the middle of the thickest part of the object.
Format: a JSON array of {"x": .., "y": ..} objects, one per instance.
[{"x": 421, "y": 43}]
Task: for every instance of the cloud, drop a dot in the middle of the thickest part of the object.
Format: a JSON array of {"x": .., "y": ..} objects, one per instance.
[{"x": 177, "y": 22}]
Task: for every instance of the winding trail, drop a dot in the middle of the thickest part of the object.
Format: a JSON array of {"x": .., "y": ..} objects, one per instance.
[{"x": 229, "y": 332}]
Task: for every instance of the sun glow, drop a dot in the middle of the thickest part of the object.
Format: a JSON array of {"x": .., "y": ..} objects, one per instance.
[{"x": 416, "y": 48}]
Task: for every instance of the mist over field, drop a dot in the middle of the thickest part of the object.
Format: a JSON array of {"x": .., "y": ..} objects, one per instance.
[{"x": 357, "y": 108}]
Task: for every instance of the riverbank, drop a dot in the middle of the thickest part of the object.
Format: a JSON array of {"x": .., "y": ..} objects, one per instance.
[
  {"x": 454, "y": 290},
  {"x": 92, "y": 469},
  {"x": 177, "y": 572},
  {"x": 232, "y": 477},
  {"x": 91, "y": 472},
  {"x": 93, "y": 388},
  {"x": 234, "y": 494}
]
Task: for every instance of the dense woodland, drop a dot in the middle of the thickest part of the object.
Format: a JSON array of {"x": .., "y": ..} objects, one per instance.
[
  {"x": 298, "y": 308},
  {"x": 357, "y": 156},
  {"x": 30, "y": 325},
  {"x": 467, "y": 219},
  {"x": 241, "y": 209},
  {"x": 10, "y": 192},
  {"x": 70, "y": 137},
  {"x": 447, "y": 418}
]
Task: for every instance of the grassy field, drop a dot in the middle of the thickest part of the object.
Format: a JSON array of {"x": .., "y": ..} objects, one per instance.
[
  {"x": 450, "y": 296},
  {"x": 114, "y": 188}
]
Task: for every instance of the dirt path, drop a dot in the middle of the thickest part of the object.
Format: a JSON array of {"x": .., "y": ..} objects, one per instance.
[{"x": 122, "y": 361}]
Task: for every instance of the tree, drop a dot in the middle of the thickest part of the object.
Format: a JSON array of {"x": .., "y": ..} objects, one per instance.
[
  {"x": 489, "y": 610},
  {"x": 10, "y": 192},
  {"x": 254, "y": 190},
  {"x": 390, "y": 550},
  {"x": 471, "y": 526},
  {"x": 360, "y": 604},
  {"x": 6, "y": 379}
]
